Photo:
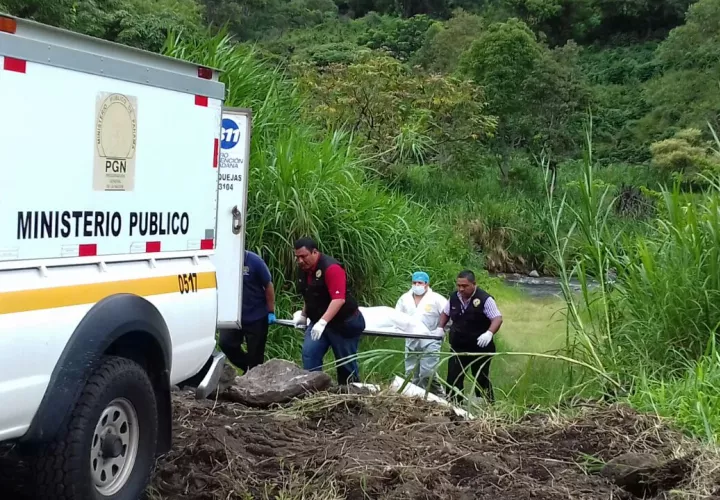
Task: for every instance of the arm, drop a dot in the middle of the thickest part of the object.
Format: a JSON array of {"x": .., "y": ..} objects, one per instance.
[
  {"x": 336, "y": 283},
  {"x": 333, "y": 309},
  {"x": 266, "y": 281},
  {"x": 493, "y": 313},
  {"x": 301, "y": 321},
  {"x": 445, "y": 315},
  {"x": 270, "y": 297}
]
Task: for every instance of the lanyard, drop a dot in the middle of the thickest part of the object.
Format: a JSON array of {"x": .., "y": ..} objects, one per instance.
[{"x": 463, "y": 305}]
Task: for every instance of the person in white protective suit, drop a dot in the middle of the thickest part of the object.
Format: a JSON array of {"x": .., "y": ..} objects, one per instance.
[{"x": 422, "y": 356}]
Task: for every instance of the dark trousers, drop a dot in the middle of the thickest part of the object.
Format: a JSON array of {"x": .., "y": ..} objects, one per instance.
[
  {"x": 477, "y": 366},
  {"x": 255, "y": 334},
  {"x": 344, "y": 341}
]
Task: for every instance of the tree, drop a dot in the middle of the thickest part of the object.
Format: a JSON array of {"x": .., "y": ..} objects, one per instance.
[
  {"x": 52, "y": 12},
  {"x": 536, "y": 93},
  {"x": 403, "y": 8},
  {"x": 560, "y": 20},
  {"x": 501, "y": 60},
  {"x": 445, "y": 43},
  {"x": 139, "y": 23},
  {"x": 396, "y": 115},
  {"x": 263, "y": 19},
  {"x": 696, "y": 44},
  {"x": 556, "y": 98},
  {"x": 399, "y": 37},
  {"x": 642, "y": 17},
  {"x": 687, "y": 93}
]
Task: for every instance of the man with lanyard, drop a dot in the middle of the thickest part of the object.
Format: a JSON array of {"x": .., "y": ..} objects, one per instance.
[
  {"x": 475, "y": 321},
  {"x": 422, "y": 355},
  {"x": 258, "y": 311},
  {"x": 335, "y": 320}
]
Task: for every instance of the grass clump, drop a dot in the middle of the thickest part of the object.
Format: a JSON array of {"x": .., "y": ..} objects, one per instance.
[
  {"x": 691, "y": 399},
  {"x": 657, "y": 307}
]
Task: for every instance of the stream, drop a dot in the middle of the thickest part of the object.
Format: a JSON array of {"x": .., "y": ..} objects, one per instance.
[{"x": 541, "y": 287}]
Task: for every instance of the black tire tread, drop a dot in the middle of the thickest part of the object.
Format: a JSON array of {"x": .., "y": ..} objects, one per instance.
[{"x": 55, "y": 468}]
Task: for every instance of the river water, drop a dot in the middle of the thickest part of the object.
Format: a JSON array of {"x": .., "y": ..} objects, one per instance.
[{"x": 544, "y": 286}]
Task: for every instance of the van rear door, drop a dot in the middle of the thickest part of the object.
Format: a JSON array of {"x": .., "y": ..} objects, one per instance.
[{"x": 232, "y": 206}]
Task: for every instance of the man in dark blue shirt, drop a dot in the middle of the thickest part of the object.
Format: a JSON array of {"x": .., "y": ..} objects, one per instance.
[{"x": 258, "y": 311}]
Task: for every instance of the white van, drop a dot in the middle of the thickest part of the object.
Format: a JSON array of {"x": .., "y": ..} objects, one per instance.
[{"x": 119, "y": 253}]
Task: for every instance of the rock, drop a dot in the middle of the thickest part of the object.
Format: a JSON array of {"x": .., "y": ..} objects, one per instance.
[
  {"x": 276, "y": 382},
  {"x": 227, "y": 378},
  {"x": 534, "y": 274},
  {"x": 611, "y": 275},
  {"x": 634, "y": 472},
  {"x": 645, "y": 475}
]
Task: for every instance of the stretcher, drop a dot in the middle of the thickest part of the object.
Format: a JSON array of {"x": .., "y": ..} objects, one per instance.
[
  {"x": 377, "y": 333},
  {"x": 384, "y": 321}
]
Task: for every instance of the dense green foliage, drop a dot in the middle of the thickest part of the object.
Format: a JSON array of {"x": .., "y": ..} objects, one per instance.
[{"x": 140, "y": 23}]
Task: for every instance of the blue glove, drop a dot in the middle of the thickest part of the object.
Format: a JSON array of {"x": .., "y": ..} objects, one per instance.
[{"x": 271, "y": 318}]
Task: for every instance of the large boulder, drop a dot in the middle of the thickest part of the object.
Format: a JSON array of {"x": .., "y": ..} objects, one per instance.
[{"x": 276, "y": 382}]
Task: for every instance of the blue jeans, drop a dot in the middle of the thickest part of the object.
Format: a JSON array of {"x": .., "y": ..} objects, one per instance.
[{"x": 344, "y": 342}]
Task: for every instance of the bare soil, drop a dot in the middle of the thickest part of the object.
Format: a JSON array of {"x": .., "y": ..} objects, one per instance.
[
  {"x": 385, "y": 446},
  {"x": 341, "y": 446}
]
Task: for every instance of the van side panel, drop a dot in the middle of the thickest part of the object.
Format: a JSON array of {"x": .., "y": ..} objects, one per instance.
[
  {"x": 41, "y": 308},
  {"x": 67, "y": 142}
]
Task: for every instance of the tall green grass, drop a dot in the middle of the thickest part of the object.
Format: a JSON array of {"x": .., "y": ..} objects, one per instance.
[
  {"x": 652, "y": 329},
  {"x": 691, "y": 398}
]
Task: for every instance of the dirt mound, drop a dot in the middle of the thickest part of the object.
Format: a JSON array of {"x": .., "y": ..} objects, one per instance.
[{"x": 385, "y": 446}]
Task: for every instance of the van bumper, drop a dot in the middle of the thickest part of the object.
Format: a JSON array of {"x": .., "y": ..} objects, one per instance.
[{"x": 210, "y": 381}]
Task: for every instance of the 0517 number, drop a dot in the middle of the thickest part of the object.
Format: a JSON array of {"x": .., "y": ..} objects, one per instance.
[{"x": 188, "y": 283}]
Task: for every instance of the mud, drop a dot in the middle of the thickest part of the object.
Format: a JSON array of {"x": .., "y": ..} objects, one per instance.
[{"x": 360, "y": 447}]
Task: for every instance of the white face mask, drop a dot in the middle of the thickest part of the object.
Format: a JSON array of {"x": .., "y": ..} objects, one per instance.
[{"x": 418, "y": 290}]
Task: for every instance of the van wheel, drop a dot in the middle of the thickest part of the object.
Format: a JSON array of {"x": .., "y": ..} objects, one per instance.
[{"x": 107, "y": 450}]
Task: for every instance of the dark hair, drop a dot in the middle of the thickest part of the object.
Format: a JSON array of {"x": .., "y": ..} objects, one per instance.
[
  {"x": 468, "y": 275},
  {"x": 305, "y": 242}
]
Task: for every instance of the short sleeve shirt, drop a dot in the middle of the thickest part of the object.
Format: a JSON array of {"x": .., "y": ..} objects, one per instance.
[{"x": 256, "y": 277}]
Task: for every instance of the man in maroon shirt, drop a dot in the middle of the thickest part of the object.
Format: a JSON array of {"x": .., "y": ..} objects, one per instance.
[{"x": 335, "y": 320}]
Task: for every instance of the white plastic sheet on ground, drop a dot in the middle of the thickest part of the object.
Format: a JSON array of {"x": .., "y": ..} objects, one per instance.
[
  {"x": 387, "y": 319},
  {"x": 405, "y": 388}
]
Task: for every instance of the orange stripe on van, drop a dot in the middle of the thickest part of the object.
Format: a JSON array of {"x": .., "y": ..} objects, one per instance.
[{"x": 75, "y": 295}]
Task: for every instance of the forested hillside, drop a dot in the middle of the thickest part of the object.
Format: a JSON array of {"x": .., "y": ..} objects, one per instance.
[{"x": 455, "y": 103}]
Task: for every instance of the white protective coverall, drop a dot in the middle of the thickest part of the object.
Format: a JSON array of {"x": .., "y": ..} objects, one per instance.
[{"x": 422, "y": 355}]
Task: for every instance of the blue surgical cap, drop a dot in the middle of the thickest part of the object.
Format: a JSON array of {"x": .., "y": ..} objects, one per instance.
[{"x": 421, "y": 276}]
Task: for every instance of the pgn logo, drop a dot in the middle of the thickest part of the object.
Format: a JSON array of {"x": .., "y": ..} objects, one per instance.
[{"x": 230, "y": 134}]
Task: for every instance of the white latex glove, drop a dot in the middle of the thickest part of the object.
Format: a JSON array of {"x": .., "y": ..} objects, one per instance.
[
  {"x": 318, "y": 329},
  {"x": 439, "y": 332},
  {"x": 301, "y": 321},
  {"x": 485, "y": 339}
]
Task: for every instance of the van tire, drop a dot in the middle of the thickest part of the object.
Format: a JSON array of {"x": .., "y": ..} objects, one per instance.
[{"x": 63, "y": 469}]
